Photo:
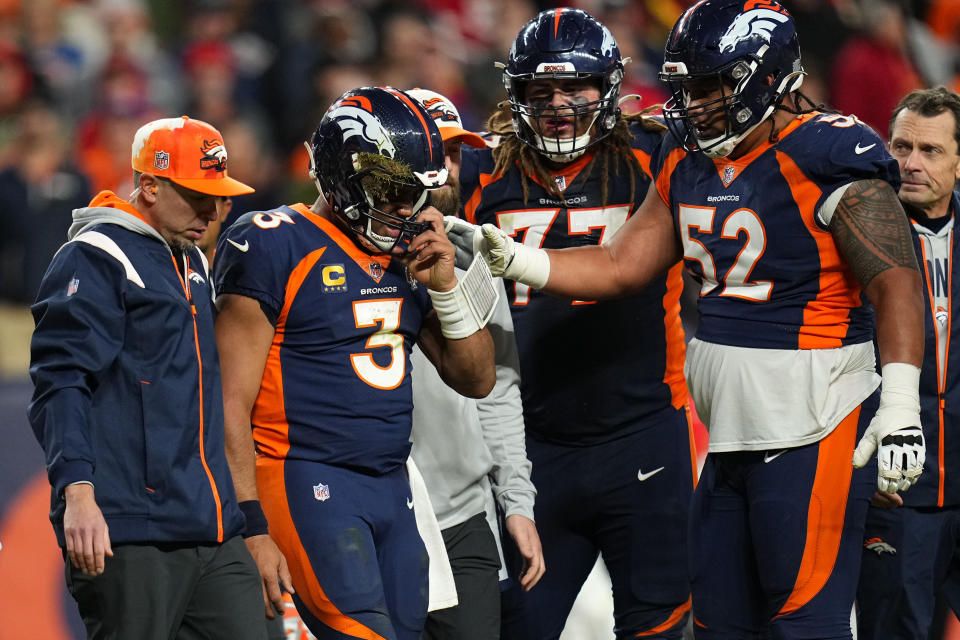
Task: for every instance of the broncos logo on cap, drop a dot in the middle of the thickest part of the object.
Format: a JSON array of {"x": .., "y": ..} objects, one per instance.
[
  {"x": 440, "y": 110},
  {"x": 214, "y": 155},
  {"x": 758, "y": 19}
]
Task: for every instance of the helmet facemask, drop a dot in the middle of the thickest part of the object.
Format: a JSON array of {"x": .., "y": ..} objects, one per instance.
[
  {"x": 596, "y": 119},
  {"x": 733, "y": 84},
  {"x": 378, "y": 182}
]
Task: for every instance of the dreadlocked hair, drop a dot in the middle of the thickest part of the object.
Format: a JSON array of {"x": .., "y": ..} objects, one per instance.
[
  {"x": 798, "y": 109},
  {"x": 617, "y": 146}
]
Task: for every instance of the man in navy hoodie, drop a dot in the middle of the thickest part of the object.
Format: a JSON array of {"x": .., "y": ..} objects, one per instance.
[{"x": 128, "y": 404}]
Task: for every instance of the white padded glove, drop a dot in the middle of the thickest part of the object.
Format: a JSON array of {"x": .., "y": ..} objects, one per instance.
[
  {"x": 895, "y": 432},
  {"x": 506, "y": 258},
  {"x": 466, "y": 239},
  {"x": 513, "y": 261}
]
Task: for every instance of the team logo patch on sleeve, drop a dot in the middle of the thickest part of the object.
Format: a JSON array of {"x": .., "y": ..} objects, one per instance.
[
  {"x": 334, "y": 278},
  {"x": 321, "y": 492},
  {"x": 73, "y": 286}
]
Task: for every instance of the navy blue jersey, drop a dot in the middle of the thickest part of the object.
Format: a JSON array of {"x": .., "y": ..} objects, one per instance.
[
  {"x": 336, "y": 386},
  {"x": 637, "y": 340},
  {"x": 771, "y": 274}
]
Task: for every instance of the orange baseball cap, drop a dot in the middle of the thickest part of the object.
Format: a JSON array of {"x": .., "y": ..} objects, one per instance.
[
  {"x": 188, "y": 152},
  {"x": 446, "y": 117}
]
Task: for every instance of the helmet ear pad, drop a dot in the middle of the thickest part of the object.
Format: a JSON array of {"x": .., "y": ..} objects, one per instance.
[
  {"x": 375, "y": 153},
  {"x": 564, "y": 44}
]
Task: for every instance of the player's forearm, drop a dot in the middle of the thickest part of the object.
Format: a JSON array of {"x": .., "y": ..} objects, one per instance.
[
  {"x": 241, "y": 457},
  {"x": 896, "y": 296},
  {"x": 466, "y": 364}
]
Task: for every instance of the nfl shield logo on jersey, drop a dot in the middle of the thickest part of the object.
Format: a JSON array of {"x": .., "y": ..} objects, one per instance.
[
  {"x": 375, "y": 270},
  {"x": 321, "y": 492},
  {"x": 161, "y": 160},
  {"x": 729, "y": 173}
]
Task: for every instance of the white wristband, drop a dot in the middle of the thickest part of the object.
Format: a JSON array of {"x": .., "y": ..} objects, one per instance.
[
  {"x": 900, "y": 392},
  {"x": 530, "y": 265},
  {"x": 467, "y": 307}
]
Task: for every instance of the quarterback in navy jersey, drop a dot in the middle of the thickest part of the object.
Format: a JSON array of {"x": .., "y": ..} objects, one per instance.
[
  {"x": 789, "y": 220},
  {"x": 320, "y": 307},
  {"x": 604, "y": 398}
]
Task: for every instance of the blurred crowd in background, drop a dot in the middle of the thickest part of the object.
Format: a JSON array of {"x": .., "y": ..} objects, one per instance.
[{"x": 78, "y": 77}]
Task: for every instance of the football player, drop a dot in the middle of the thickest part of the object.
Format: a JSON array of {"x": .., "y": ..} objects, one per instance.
[
  {"x": 320, "y": 307},
  {"x": 605, "y": 402},
  {"x": 787, "y": 216}
]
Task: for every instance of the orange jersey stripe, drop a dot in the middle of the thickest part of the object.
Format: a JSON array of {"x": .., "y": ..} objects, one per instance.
[
  {"x": 675, "y": 617},
  {"x": 470, "y": 208},
  {"x": 692, "y": 437},
  {"x": 663, "y": 180},
  {"x": 676, "y": 344},
  {"x": 644, "y": 159},
  {"x": 826, "y": 513},
  {"x": 826, "y": 318},
  {"x": 343, "y": 241},
  {"x": 273, "y": 491},
  {"x": 271, "y": 430}
]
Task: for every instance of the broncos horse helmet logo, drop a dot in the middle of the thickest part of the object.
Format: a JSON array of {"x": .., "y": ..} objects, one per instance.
[
  {"x": 214, "y": 155},
  {"x": 356, "y": 121},
  {"x": 758, "y": 19}
]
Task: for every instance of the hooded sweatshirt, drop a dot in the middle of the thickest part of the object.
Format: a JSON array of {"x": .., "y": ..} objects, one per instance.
[{"x": 127, "y": 381}]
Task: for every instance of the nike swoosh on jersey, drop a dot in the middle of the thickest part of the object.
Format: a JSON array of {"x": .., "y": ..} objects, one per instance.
[
  {"x": 409, "y": 503},
  {"x": 240, "y": 247},
  {"x": 641, "y": 476},
  {"x": 858, "y": 149},
  {"x": 770, "y": 457}
]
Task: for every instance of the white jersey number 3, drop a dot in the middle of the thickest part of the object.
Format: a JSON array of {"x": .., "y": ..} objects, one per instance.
[
  {"x": 386, "y": 314},
  {"x": 736, "y": 281}
]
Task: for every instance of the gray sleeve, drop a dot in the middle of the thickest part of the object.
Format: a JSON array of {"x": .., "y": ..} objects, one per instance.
[{"x": 501, "y": 419}]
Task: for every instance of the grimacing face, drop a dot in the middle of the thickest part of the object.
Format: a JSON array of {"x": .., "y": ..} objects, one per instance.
[
  {"x": 926, "y": 150},
  {"x": 553, "y": 99}
]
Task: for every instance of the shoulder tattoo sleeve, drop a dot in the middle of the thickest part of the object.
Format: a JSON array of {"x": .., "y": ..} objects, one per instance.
[{"x": 872, "y": 231}]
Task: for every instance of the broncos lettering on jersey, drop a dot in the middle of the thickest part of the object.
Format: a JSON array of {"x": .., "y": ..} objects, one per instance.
[
  {"x": 770, "y": 272},
  {"x": 639, "y": 338},
  {"x": 302, "y": 268}
]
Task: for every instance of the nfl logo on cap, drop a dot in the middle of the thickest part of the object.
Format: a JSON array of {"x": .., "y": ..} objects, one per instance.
[
  {"x": 161, "y": 160},
  {"x": 321, "y": 492}
]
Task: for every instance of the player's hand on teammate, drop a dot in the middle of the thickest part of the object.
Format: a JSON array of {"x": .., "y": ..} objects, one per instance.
[
  {"x": 431, "y": 256},
  {"x": 524, "y": 534},
  {"x": 273, "y": 572},
  {"x": 505, "y": 257},
  {"x": 86, "y": 532}
]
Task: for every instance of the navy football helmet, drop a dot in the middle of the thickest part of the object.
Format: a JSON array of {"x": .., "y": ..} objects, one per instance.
[
  {"x": 564, "y": 44},
  {"x": 733, "y": 47},
  {"x": 376, "y": 146}
]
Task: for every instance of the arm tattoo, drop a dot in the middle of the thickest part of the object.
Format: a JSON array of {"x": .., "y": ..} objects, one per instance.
[{"x": 872, "y": 231}]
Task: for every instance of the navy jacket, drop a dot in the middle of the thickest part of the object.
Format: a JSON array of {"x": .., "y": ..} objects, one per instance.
[
  {"x": 127, "y": 382},
  {"x": 939, "y": 399}
]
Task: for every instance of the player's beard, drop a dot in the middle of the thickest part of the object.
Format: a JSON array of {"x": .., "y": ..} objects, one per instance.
[{"x": 447, "y": 200}]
